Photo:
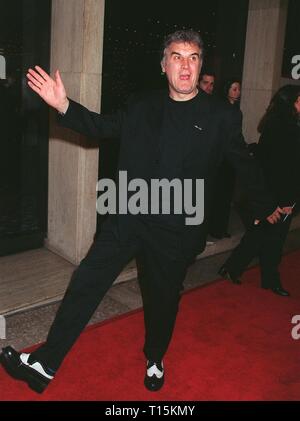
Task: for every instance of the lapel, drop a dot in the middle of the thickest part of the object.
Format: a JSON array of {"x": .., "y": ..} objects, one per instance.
[{"x": 198, "y": 134}]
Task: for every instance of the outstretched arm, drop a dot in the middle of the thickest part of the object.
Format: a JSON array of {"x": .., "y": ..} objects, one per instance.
[
  {"x": 52, "y": 91},
  {"x": 78, "y": 118}
]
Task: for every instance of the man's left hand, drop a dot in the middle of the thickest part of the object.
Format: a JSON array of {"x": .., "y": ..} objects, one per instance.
[{"x": 274, "y": 217}]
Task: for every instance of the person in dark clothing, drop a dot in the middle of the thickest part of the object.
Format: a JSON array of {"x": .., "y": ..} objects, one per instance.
[
  {"x": 278, "y": 153},
  {"x": 177, "y": 135},
  {"x": 225, "y": 180}
]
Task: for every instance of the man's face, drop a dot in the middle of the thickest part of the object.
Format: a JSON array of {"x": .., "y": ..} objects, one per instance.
[
  {"x": 207, "y": 83},
  {"x": 182, "y": 64}
]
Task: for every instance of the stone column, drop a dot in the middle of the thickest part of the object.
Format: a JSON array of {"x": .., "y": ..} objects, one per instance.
[
  {"x": 263, "y": 60},
  {"x": 76, "y": 50}
]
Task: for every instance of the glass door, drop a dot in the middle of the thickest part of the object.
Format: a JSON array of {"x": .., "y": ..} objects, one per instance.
[{"x": 24, "y": 42}]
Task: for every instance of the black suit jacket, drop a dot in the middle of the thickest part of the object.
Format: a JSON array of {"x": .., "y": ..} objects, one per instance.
[{"x": 138, "y": 126}]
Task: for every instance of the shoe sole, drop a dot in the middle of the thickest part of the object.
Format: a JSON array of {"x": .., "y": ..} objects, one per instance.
[{"x": 14, "y": 366}]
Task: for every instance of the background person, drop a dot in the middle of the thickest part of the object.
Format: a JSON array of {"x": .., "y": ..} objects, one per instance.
[
  {"x": 207, "y": 81},
  {"x": 225, "y": 180},
  {"x": 278, "y": 153}
]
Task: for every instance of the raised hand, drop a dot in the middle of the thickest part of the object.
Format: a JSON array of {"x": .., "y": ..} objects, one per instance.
[{"x": 52, "y": 91}]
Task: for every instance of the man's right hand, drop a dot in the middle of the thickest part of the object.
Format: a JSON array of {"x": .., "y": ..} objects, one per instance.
[{"x": 52, "y": 91}]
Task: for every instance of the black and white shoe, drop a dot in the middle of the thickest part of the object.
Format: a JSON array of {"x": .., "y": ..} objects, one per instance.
[
  {"x": 20, "y": 366},
  {"x": 155, "y": 376}
]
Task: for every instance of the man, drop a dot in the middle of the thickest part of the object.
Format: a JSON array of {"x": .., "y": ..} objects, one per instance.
[
  {"x": 176, "y": 135},
  {"x": 207, "y": 81}
]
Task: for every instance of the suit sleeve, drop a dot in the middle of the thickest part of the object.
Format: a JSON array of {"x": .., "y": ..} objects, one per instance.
[
  {"x": 91, "y": 124},
  {"x": 248, "y": 170}
]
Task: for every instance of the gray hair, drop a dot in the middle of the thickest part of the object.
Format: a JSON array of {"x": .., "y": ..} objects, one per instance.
[{"x": 185, "y": 35}]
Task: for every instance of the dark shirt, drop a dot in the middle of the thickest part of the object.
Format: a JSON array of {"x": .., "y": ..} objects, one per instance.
[{"x": 178, "y": 116}]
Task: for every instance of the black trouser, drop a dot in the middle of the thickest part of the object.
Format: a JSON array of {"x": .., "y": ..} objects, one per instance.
[
  {"x": 163, "y": 272},
  {"x": 265, "y": 241}
]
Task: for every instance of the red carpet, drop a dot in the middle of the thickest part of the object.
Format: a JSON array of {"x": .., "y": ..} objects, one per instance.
[{"x": 231, "y": 343}]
